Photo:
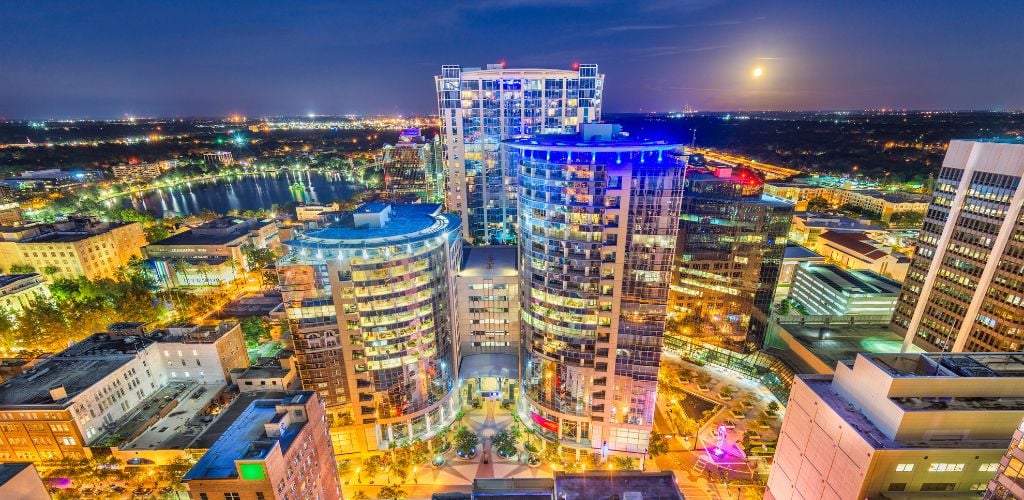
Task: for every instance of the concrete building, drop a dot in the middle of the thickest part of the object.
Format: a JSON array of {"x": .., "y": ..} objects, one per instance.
[
  {"x": 487, "y": 313},
  {"x": 18, "y": 290},
  {"x": 869, "y": 200},
  {"x": 277, "y": 448},
  {"x": 856, "y": 251},
  {"x": 369, "y": 302},
  {"x": 79, "y": 396},
  {"x": 479, "y": 108},
  {"x": 210, "y": 254},
  {"x": 828, "y": 290},
  {"x": 20, "y": 480},
  {"x": 598, "y": 220},
  {"x": 794, "y": 256},
  {"x": 808, "y": 226},
  {"x": 732, "y": 238},
  {"x": 964, "y": 291},
  {"x": 131, "y": 172},
  {"x": 10, "y": 209},
  {"x": 905, "y": 423},
  {"x": 311, "y": 212},
  {"x": 274, "y": 374},
  {"x": 1008, "y": 483},
  {"x": 81, "y": 247}
]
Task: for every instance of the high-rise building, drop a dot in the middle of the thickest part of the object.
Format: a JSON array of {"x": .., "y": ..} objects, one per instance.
[
  {"x": 598, "y": 217},
  {"x": 412, "y": 168},
  {"x": 479, "y": 108},
  {"x": 924, "y": 424},
  {"x": 1008, "y": 483},
  {"x": 276, "y": 449},
  {"x": 487, "y": 294},
  {"x": 369, "y": 303},
  {"x": 732, "y": 239},
  {"x": 964, "y": 290}
]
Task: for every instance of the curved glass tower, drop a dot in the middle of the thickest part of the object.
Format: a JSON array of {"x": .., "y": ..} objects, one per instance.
[
  {"x": 369, "y": 308},
  {"x": 598, "y": 219}
]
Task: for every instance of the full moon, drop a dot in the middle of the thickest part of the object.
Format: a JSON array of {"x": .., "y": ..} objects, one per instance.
[{"x": 758, "y": 71}]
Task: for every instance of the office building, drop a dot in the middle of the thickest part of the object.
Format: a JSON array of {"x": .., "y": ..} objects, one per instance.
[
  {"x": 412, "y": 168},
  {"x": 732, "y": 238},
  {"x": 487, "y": 300},
  {"x": 1008, "y": 483},
  {"x": 905, "y": 423},
  {"x": 80, "y": 247},
  {"x": 964, "y": 288},
  {"x": 21, "y": 480},
  {"x": 17, "y": 291},
  {"x": 10, "y": 209},
  {"x": 793, "y": 257},
  {"x": 369, "y": 304},
  {"x": 276, "y": 449},
  {"x": 130, "y": 172},
  {"x": 212, "y": 253},
  {"x": 829, "y": 290},
  {"x": 598, "y": 218},
  {"x": 479, "y": 108}
]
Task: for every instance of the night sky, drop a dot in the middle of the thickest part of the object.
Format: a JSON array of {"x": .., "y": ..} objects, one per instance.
[{"x": 105, "y": 59}]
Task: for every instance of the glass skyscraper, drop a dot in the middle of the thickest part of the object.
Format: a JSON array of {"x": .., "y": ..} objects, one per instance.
[
  {"x": 369, "y": 306},
  {"x": 965, "y": 287},
  {"x": 732, "y": 238},
  {"x": 598, "y": 217},
  {"x": 479, "y": 108}
]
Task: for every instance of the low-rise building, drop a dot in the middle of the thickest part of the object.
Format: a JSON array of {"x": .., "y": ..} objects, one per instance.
[
  {"x": 18, "y": 290},
  {"x": 794, "y": 256},
  {"x": 808, "y": 226},
  {"x": 857, "y": 251},
  {"x": 10, "y": 209},
  {"x": 311, "y": 212},
  {"x": 823, "y": 289},
  {"x": 76, "y": 398},
  {"x": 80, "y": 247},
  {"x": 210, "y": 254},
  {"x": 275, "y": 374},
  {"x": 141, "y": 171},
  {"x": 277, "y": 448},
  {"x": 907, "y": 423},
  {"x": 218, "y": 158}
]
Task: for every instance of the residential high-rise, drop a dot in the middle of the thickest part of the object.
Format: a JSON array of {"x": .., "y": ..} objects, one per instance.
[
  {"x": 965, "y": 287},
  {"x": 481, "y": 107},
  {"x": 411, "y": 168},
  {"x": 369, "y": 305},
  {"x": 732, "y": 239},
  {"x": 924, "y": 424},
  {"x": 598, "y": 217}
]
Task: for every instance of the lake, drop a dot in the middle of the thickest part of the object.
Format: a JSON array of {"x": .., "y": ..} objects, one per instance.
[{"x": 242, "y": 192}]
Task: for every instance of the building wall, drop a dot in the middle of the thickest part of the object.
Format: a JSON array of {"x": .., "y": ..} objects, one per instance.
[
  {"x": 25, "y": 485},
  {"x": 1008, "y": 483},
  {"x": 94, "y": 257},
  {"x": 479, "y": 109},
  {"x": 488, "y": 314},
  {"x": 18, "y": 295},
  {"x": 964, "y": 288},
  {"x": 593, "y": 285}
]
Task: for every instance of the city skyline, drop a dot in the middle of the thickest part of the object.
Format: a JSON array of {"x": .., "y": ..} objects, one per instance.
[{"x": 110, "y": 60}]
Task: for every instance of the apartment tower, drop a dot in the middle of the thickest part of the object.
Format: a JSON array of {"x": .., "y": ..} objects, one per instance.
[
  {"x": 479, "y": 108},
  {"x": 598, "y": 217}
]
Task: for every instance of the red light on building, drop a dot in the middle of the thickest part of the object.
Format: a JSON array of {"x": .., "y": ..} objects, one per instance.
[{"x": 550, "y": 425}]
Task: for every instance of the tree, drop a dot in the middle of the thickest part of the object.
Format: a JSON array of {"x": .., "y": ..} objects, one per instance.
[
  {"x": 391, "y": 492},
  {"x": 818, "y": 204},
  {"x": 505, "y": 442},
  {"x": 156, "y": 232},
  {"x": 623, "y": 463},
  {"x": 22, "y": 269},
  {"x": 657, "y": 445},
  {"x": 254, "y": 328},
  {"x": 466, "y": 441},
  {"x": 257, "y": 258},
  {"x": 51, "y": 270}
]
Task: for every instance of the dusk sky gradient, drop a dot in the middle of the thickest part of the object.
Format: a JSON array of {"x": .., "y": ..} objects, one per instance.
[{"x": 106, "y": 59}]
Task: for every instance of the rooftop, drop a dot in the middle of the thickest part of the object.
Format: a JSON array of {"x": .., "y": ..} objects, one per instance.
[
  {"x": 247, "y": 439},
  {"x": 11, "y": 469},
  {"x": 489, "y": 261},
  {"x": 10, "y": 279},
  {"x": 616, "y": 484},
  {"x": 405, "y": 224},
  {"x": 947, "y": 365},
  {"x": 835, "y": 343},
  {"x": 220, "y": 231},
  {"x": 76, "y": 369},
  {"x": 862, "y": 282},
  {"x": 834, "y": 222},
  {"x": 794, "y": 251},
  {"x": 599, "y": 136},
  {"x": 855, "y": 242}
]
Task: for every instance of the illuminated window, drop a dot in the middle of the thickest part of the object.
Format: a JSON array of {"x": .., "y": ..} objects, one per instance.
[
  {"x": 940, "y": 467},
  {"x": 904, "y": 467},
  {"x": 988, "y": 467}
]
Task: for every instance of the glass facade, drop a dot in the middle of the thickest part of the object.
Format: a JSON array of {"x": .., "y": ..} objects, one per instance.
[
  {"x": 597, "y": 227},
  {"x": 479, "y": 109},
  {"x": 732, "y": 239},
  {"x": 964, "y": 290},
  {"x": 370, "y": 313}
]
